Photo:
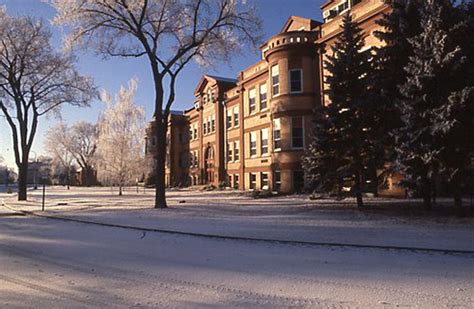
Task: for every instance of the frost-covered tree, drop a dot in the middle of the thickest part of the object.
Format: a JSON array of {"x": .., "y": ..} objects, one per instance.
[
  {"x": 345, "y": 133},
  {"x": 434, "y": 139},
  {"x": 57, "y": 144},
  {"x": 35, "y": 80},
  {"x": 121, "y": 143},
  {"x": 169, "y": 34},
  {"x": 400, "y": 24}
]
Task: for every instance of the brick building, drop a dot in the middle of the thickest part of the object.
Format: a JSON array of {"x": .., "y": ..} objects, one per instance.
[{"x": 250, "y": 133}]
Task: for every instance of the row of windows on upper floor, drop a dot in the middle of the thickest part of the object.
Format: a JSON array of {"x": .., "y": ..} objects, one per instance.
[{"x": 233, "y": 148}]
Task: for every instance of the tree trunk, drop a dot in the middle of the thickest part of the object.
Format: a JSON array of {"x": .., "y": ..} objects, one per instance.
[
  {"x": 120, "y": 190},
  {"x": 22, "y": 181},
  {"x": 357, "y": 188},
  {"x": 160, "y": 195}
]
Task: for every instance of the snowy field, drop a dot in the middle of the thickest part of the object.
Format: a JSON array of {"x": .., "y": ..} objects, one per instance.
[{"x": 49, "y": 263}]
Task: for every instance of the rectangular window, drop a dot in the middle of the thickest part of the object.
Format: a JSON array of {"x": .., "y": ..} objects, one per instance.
[
  {"x": 264, "y": 141},
  {"x": 236, "y": 181},
  {"x": 297, "y": 132},
  {"x": 252, "y": 99},
  {"x": 264, "y": 181},
  {"x": 229, "y": 118},
  {"x": 236, "y": 116},
  {"x": 263, "y": 97},
  {"x": 208, "y": 124},
  {"x": 196, "y": 131},
  {"x": 204, "y": 127},
  {"x": 276, "y": 135},
  {"x": 298, "y": 181},
  {"x": 296, "y": 81},
  {"x": 276, "y": 181},
  {"x": 191, "y": 133},
  {"x": 229, "y": 181},
  {"x": 213, "y": 123},
  {"x": 275, "y": 80},
  {"x": 236, "y": 151},
  {"x": 253, "y": 143},
  {"x": 229, "y": 152},
  {"x": 253, "y": 181}
]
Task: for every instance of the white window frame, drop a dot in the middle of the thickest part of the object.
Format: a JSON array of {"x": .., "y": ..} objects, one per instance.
[
  {"x": 261, "y": 142},
  {"x": 264, "y": 85},
  {"x": 272, "y": 74},
  {"x": 229, "y": 153},
  {"x": 275, "y": 121},
  {"x": 262, "y": 187},
  {"x": 236, "y": 150},
  {"x": 252, "y": 184},
  {"x": 229, "y": 121},
  {"x": 252, "y": 95},
  {"x": 301, "y": 81},
  {"x": 236, "y": 117},
  {"x": 253, "y": 134}
]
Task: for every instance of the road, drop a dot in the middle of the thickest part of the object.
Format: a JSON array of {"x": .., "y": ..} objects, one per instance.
[{"x": 48, "y": 263}]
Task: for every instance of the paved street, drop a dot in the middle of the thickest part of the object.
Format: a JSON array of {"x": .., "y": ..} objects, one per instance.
[{"x": 54, "y": 264}]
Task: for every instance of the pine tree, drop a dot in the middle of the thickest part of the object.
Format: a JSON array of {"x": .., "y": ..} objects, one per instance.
[
  {"x": 453, "y": 120},
  {"x": 342, "y": 148},
  {"x": 402, "y": 23},
  {"x": 429, "y": 98}
]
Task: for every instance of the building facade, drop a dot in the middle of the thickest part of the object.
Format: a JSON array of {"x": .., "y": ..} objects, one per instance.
[{"x": 250, "y": 133}]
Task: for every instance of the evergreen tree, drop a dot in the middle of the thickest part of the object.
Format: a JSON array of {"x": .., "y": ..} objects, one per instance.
[
  {"x": 453, "y": 120},
  {"x": 402, "y": 23},
  {"x": 342, "y": 148},
  {"x": 430, "y": 101}
]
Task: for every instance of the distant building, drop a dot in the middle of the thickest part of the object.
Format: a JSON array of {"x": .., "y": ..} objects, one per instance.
[{"x": 250, "y": 133}]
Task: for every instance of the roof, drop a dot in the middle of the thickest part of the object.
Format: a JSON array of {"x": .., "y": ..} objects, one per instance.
[
  {"x": 309, "y": 23},
  {"x": 205, "y": 78}
]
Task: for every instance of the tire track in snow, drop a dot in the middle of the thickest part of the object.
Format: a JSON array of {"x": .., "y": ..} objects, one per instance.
[{"x": 173, "y": 284}]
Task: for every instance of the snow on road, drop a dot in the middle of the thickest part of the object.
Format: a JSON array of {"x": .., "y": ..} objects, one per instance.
[{"x": 55, "y": 264}]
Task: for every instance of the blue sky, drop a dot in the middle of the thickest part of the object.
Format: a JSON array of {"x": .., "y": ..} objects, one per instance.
[{"x": 111, "y": 74}]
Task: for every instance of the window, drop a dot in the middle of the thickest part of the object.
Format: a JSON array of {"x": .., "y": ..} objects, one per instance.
[
  {"x": 264, "y": 181},
  {"x": 253, "y": 143},
  {"x": 229, "y": 152},
  {"x": 229, "y": 118},
  {"x": 298, "y": 181},
  {"x": 196, "y": 131},
  {"x": 204, "y": 129},
  {"x": 229, "y": 181},
  {"x": 296, "y": 81},
  {"x": 236, "y": 151},
  {"x": 252, "y": 96},
  {"x": 213, "y": 123},
  {"x": 275, "y": 80},
  {"x": 276, "y": 135},
  {"x": 236, "y": 116},
  {"x": 297, "y": 132},
  {"x": 263, "y": 97},
  {"x": 264, "y": 141},
  {"x": 253, "y": 181},
  {"x": 276, "y": 181},
  {"x": 191, "y": 133},
  {"x": 236, "y": 181},
  {"x": 208, "y": 124}
]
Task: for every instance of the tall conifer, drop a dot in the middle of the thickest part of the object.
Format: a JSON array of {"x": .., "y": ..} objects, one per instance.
[{"x": 342, "y": 138}]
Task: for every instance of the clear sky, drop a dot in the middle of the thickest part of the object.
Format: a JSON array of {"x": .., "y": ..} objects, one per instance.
[{"x": 111, "y": 74}]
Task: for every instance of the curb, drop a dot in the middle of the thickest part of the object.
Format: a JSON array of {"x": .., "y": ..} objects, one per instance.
[{"x": 248, "y": 239}]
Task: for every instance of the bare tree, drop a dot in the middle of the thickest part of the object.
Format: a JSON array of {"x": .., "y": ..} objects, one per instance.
[
  {"x": 121, "y": 143},
  {"x": 169, "y": 33},
  {"x": 82, "y": 144},
  {"x": 57, "y": 144},
  {"x": 35, "y": 80}
]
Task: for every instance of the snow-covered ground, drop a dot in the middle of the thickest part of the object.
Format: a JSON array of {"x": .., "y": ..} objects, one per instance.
[
  {"x": 233, "y": 214},
  {"x": 49, "y": 263}
]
